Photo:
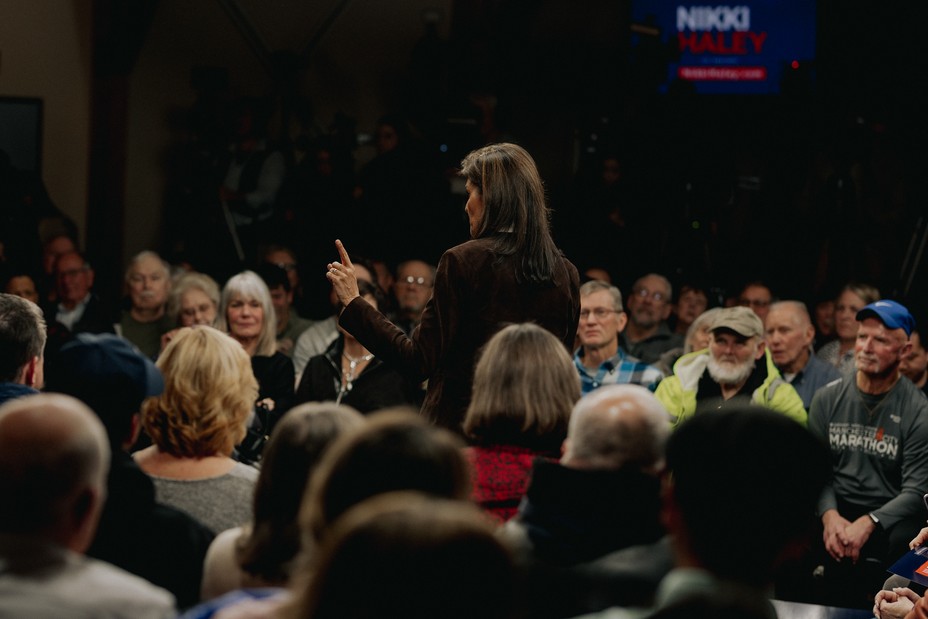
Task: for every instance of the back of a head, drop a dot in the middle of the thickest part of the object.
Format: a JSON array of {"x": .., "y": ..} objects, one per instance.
[
  {"x": 615, "y": 426},
  {"x": 736, "y": 472},
  {"x": 22, "y": 335},
  {"x": 53, "y": 449},
  {"x": 209, "y": 391},
  {"x": 525, "y": 385},
  {"x": 108, "y": 374},
  {"x": 295, "y": 448},
  {"x": 396, "y": 450},
  {"x": 408, "y": 555}
]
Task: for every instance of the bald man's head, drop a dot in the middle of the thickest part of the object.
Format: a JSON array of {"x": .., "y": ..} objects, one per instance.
[
  {"x": 617, "y": 425},
  {"x": 54, "y": 457}
]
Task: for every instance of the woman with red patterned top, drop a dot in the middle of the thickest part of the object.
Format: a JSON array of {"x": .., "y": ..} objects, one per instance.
[{"x": 525, "y": 386}]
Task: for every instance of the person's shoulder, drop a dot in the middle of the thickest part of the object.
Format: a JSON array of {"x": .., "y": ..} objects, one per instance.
[
  {"x": 243, "y": 471},
  {"x": 113, "y": 592}
]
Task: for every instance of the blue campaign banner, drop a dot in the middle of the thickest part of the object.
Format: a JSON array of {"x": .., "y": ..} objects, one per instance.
[{"x": 739, "y": 48}]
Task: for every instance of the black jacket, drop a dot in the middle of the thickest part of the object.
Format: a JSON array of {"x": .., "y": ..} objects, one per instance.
[
  {"x": 377, "y": 386},
  {"x": 159, "y": 543}
]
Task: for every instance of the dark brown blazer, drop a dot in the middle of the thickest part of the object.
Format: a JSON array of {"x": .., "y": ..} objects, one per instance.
[{"x": 473, "y": 298}]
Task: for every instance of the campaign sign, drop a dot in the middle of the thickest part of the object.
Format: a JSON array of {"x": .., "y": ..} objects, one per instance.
[{"x": 739, "y": 48}]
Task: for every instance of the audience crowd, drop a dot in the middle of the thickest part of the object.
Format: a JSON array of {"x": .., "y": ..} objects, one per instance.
[{"x": 213, "y": 447}]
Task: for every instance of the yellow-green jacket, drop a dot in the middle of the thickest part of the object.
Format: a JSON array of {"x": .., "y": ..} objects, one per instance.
[{"x": 678, "y": 392}]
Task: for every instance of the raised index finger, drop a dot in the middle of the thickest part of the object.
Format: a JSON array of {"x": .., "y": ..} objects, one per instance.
[{"x": 342, "y": 253}]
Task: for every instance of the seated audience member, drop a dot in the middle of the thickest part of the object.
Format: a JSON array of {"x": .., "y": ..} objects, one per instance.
[
  {"x": 194, "y": 300},
  {"x": 317, "y": 339},
  {"x": 599, "y": 360},
  {"x": 914, "y": 365},
  {"x": 79, "y": 310},
  {"x": 21, "y": 283},
  {"x": 412, "y": 289},
  {"x": 697, "y": 338},
  {"x": 824, "y": 315},
  {"x": 289, "y": 324},
  {"x": 713, "y": 510},
  {"x": 22, "y": 347},
  {"x": 736, "y": 368},
  {"x": 840, "y": 351},
  {"x": 896, "y": 600},
  {"x": 285, "y": 258},
  {"x": 692, "y": 302},
  {"x": 758, "y": 297},
  {"x": 58, "y": 243},
  {"x": 603, "y": 496},
  {"x": 408, "y": 555},
  {"x": 247, "y": 314},
  {"x": 195, "y": 424},
  {"x": 525, "y": 386},
  {"x": 159, "y": 543},
  {"x": 789, "y": 337},
  {"x": 876, "y": 424},
  {"x": 647, "y": 335},
  {"x": 394, "y": 450},
  {"x": 148, "y": 282},
  {"x": 263, "y": 553},
  {"x": 53, "y": 462},
  {"x": 350, "y": 374}
]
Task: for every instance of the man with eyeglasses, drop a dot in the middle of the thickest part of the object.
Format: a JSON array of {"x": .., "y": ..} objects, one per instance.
[
  {"x": 412, "y": 289},
  {"x": 79, "y": 310},
  {"x": 758, "y": 297},
  {"x": 599, "y": 359},
  {"x": 648, "y": 336}
]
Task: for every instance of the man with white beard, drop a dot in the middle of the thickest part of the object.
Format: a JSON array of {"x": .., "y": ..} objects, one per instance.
[{"x": 736, "y": 368}]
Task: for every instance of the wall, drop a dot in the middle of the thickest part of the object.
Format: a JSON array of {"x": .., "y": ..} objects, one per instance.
[
  {"x": 45, "y": 52},
  {"x": 367, "y": 47}
]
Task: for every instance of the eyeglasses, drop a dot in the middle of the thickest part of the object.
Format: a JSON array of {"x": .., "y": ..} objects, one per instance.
[
  {"x": 601, "y": 313},
  {"x": 644, "y": 293},
  {"x": 753, "y": 302},
  {"x": 416, "y": 281},
  {"x": 286, "y": 266}
]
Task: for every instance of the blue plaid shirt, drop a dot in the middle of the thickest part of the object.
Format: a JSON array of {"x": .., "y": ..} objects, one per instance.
[{"x": 620, "y": 369}]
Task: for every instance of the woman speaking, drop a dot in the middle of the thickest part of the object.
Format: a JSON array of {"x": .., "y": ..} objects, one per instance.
[{"x": 510, "y": 272}]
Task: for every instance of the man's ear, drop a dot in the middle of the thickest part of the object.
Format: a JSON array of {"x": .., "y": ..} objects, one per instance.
[
  {"x": 905, "y": 350},
  {"x": 760, "y": 349},
  {"x": 89, "y": 277},
  {"x": 32, "y": 373},
  {"x": 622, "y": 319}
]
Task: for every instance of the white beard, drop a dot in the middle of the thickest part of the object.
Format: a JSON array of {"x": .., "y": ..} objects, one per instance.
[{"x": 727, "y": 374}]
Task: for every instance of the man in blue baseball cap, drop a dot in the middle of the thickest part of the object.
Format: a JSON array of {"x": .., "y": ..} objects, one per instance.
[
  {"x": 876, "y": 424},
  {"x": 162, "y": 544}
]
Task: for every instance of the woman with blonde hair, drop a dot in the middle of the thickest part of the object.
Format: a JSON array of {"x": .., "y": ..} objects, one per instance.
[
  {"x": 247, "y": 314},
  {"x": 194, "y": 425},
  {"x": 525, "y": 386}
]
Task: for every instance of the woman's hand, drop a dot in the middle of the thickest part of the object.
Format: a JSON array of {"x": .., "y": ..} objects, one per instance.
[{"x": 342, "y": 276}]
